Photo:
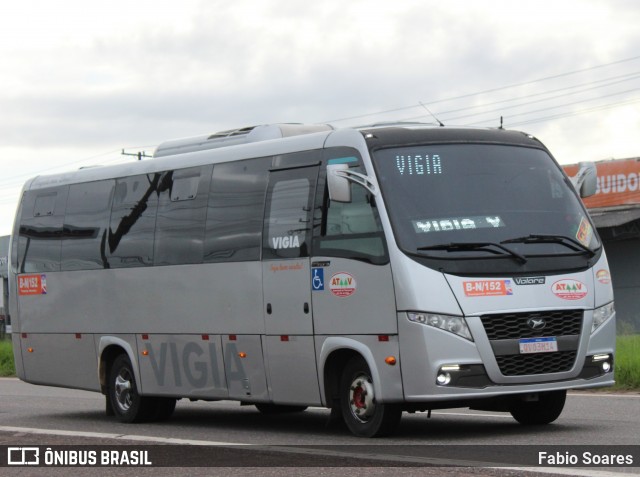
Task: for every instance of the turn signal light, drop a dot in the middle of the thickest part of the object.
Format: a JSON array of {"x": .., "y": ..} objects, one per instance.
[
  {"x": 391, "y": 360},
  {"x": 242, "y": 354}
]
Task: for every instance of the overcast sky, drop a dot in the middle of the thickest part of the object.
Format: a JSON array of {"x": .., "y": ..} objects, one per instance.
[{"x": 79, "y": 81}]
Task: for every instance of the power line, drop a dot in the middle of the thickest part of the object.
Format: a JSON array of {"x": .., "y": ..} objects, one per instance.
[
  {"x": 491, "y": 90},
  {"x": 442, "y": 114},
  {"x": 572, "y": 103},
  {"x": 627, "y": 77},
  {"x": 19, "y": 180},
  {"x": 543, "y": 109},
  {"x": 576, "y": 113}
]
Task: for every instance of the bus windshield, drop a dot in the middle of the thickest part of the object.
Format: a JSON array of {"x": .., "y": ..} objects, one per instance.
[{"x": 509, "y": 205}]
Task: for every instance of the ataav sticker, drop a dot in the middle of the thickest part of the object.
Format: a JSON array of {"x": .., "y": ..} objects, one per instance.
[{"x": 343, "y": 284}]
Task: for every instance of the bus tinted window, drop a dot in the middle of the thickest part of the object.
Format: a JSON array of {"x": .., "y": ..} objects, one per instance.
[
  {"x": 133, "y": 221},
  {"x": 287, "y": 223},
  {"x": 236, "y": 207},
  {"x": 353, "y": 229},
  {"x": 182, "y": 211},
  {"x": 85, "y": 225},
  {"x": 45, "y": 204},
  {"x": 41, "y": 230}
]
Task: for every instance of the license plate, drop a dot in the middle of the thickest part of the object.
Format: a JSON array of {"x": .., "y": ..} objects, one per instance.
[{"x": 538, "y": 345}]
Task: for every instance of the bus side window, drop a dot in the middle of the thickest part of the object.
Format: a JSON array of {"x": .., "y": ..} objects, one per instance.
[
  {"x": 40, "y": 230},
  {"x": 286, "y": 222},
  {"x": 288, "y": 211},
  {"x": 349, "y": 230},
  {"x": 85, "y": 225},
  {"x": 133, "y": 221},
  {"x": 235, "y": 211},
  {"x": 182, "y": 212}
]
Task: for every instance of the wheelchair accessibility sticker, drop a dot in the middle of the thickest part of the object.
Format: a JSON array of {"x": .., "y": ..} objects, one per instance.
[{"x": 317, "y": 279}]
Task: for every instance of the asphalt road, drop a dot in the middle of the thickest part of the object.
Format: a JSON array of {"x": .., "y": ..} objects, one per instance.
[{"x": 305, "y": 443}]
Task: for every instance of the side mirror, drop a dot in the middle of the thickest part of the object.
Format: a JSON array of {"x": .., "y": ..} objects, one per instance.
[
  {"x": 586, "y": 180},
  {"x": 339, "y": 185}
]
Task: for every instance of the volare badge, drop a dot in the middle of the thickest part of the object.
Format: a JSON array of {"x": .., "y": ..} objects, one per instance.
[{"x": 343, "y": 284}]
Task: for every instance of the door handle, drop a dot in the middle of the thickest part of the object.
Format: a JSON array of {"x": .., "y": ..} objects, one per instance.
[
  {"x": 269, "y": 308},
  {"x": 306, "y": 308}
]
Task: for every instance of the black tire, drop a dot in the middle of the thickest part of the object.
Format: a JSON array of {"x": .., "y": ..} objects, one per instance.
[
  {"x": 545, "y": 410},
  {"x": 128, "y": 406},
  {"x": 164, "y": 408},
  {"x": 362, "y": 414},
  {"x": 266, "y": 408}
]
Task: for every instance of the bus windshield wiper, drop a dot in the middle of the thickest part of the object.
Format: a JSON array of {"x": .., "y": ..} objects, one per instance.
[
  {"x": 469, "y": 246},
  {"x": 568, "y": 242}
]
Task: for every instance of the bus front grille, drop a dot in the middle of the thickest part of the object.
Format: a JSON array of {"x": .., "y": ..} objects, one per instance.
[
  {"x": 505, "y": 331},
  {"x": 516, "y": 325}
]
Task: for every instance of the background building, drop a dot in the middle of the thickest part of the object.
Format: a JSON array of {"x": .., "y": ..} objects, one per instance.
[
  {"x": 615, "y": 210},
  {"x": 4, "y": 281}
]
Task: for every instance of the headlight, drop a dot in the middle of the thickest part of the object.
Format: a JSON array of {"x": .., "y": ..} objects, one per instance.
[
  {"x": 453, "y": 324},
  {"x": 602, "y": 314}
]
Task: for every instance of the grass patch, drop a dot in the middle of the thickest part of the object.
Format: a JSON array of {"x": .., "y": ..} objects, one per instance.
[
  {"x": 7, "y": 367},
  {"x": 627, "y": 364}
]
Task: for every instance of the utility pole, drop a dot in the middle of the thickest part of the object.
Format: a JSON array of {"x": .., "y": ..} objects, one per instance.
[{"x": 139, "y": 154}]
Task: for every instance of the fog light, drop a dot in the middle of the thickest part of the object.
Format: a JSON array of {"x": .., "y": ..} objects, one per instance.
[
  {"x": 606, "y": 366},
  {"x": 443, "y": 379},
  {"x": 450, "y": 367}
]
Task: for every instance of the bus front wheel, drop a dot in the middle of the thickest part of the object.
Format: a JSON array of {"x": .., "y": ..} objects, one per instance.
[
  {"x": 128, "y": 406},
  {"x": 543, "y": 410},
  {"x": 362, "y": 413}
]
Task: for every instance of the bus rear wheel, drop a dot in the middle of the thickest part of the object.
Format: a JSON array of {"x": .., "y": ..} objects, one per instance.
[
  {"x": 545, "y": 409},
  {"x": 162, "y": 408},
  {"x": 362, "y": 413}
]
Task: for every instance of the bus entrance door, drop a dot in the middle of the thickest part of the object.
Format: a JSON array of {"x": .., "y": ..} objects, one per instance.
[{"x": 288, "y": 341}]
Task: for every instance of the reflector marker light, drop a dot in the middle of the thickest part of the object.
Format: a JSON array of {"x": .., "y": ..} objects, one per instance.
[
  {"x": 390, "y": 360},
  {"x": 242, "y": 354}
]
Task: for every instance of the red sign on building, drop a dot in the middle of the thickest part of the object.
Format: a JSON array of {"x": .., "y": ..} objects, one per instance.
[{"x": 618, "y": 183}]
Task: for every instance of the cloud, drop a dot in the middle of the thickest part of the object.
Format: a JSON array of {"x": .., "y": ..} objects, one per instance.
[
  {"x": 76, "y": 82},
  {"x": 138, "y": 73}
]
